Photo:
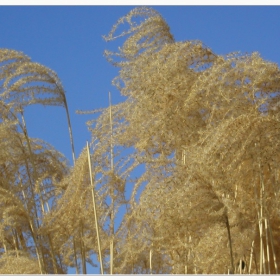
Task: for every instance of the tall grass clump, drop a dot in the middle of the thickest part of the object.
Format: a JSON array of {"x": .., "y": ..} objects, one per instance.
[{"x": 188, "y": 163}]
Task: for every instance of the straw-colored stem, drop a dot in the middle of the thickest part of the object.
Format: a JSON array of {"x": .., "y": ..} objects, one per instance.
[
  {"x": 272, "y": 246},
  {"x": 230, "y": 243},
  {"x": 151, "y": 267},
  {"x": 256, "y": 263},
  {"x": 5, "y": 248},
  {"x": 261, "y": 231},
  {"x": 186, "y": 255},
  {"x": 251, "y": 257},
  {"x": 31, "y": 190},
  {"x": 235, "y": 194},
  {"x": 35, "y": 177},
  {"x": 260, "y": 216},
  {"x": 94, "y": 210},
  {"x": 73, "y": 157},
  {"x": 40, "y": 261},
  {"x": 261, "y": 245},
  {"x": 70, "y": 131},
  {"x": 264, "y": 267},
  {"x": 111, "y": 256},
  {"x": 37, "y": 248},
  {"x": 183, "y": 157},
  {"x": 22, "y": 240},
  {"x": 24, "y": 129},
  {"x": 47, "y": 203},
  {"x": 112, "y": 218},
  {"x": 83, "y": 256},
  {"x": 267, "y": 245}
]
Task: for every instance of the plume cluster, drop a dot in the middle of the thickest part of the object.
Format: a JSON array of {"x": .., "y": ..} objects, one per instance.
[{"x": 182, "y": 177}]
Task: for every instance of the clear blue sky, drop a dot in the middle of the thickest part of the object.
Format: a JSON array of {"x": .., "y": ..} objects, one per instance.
[{"x": 68, "y": 39}]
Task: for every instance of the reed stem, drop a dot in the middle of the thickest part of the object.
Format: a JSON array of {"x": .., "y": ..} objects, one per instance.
[
  {"x": 230, "y": 243},
  {"x": 151, "y": 267},
  {"x": 267, "y": 245},
  {"x": 94, "y": 209},
  {"x": 112, "y": 218},
  {"x": 251, "y": 257},
  {"x": 272, "y": 246}
]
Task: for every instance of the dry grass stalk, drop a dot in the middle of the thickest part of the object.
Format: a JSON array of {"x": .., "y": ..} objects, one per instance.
[
  {"x": 150, "y": 261},
  {"x": 112, "y": 218},
  {"x": 95, "y": 212},
  {"x": 251, "y": 257}
]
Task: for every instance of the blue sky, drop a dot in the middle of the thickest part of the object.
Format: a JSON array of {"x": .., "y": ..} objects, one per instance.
[{"x": 68, "y": 39}]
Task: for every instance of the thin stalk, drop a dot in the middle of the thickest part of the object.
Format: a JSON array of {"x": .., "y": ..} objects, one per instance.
[
  {"x": 50, "y": 242},
  {"x": 111, "y": 256},
  {"x": 31, "y": 158},
  {"x": 261, "y": 227},
  {"x": 83, "y": 251},
  {"x": 22, "y": 241},
  {"x": 94, "y": 209},
  {"x": 52, "y": 255},
  {"x": 264, "y": 267},
  {"x": 151, "y": 267},
  {"x": 262, "y": 220},
  {"x": 70, "y": 130},
  {"x": 112, "y": 218},
  {"x": 272, "y": 246},
  {"x": 256, "y": 263},
  {"x": 186, "y": 268},
  {"x": 47, "y": 203},
  {"x": 230, "y": 243},
  {"x": 36, "y": 221},
  {"x": 40, "y": 261},
  {"x": 132, "y": 270},
  {"x": 261, "y": 210},
  {"x": 31, "y": 189},
  {"x": 267, "y": 245},
  {"x": 251, "y": 256},
  {"x": 235, "y": 194},
  {"x": 184, "y": 157},
  {"x": 73, "y": 154},
  {"x": 261, "y": 244}
]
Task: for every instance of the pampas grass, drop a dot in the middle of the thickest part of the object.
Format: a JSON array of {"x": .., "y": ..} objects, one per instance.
[{"x": 192, "y": 155}]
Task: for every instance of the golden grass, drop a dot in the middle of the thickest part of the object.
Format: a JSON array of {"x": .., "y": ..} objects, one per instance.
[{"x": 203, "y": 129}]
